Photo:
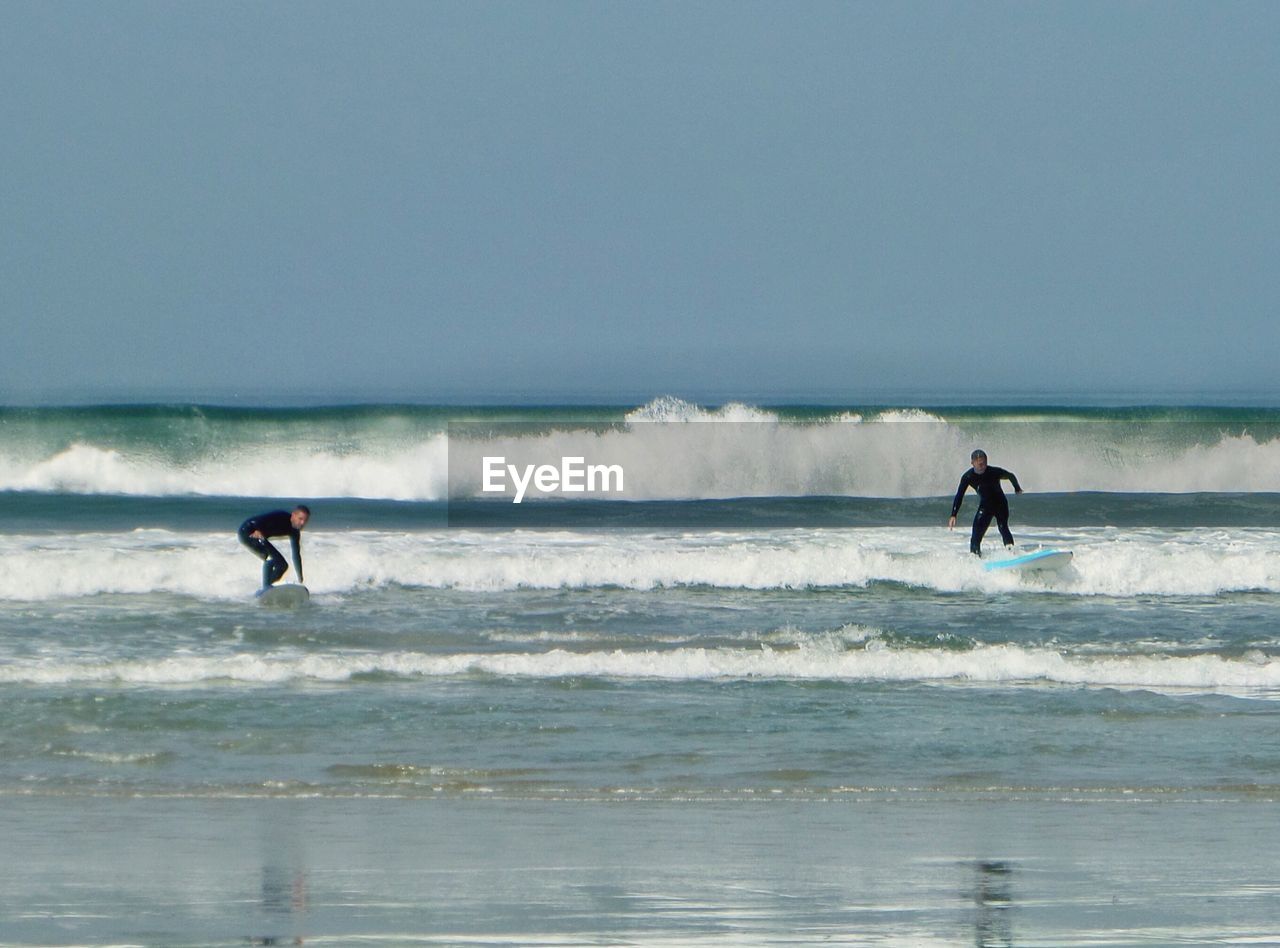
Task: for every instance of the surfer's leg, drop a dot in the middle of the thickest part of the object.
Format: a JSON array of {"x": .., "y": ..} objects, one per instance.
[
  {"x": 1002, "y": 524},
  {"x": 273, "y": 563},
  {"x": 981, "y": 521},
  {"x": 273, "y": 566}
]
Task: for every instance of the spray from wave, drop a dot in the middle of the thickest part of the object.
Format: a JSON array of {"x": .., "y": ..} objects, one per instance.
[{"x": 671, "y": 450}]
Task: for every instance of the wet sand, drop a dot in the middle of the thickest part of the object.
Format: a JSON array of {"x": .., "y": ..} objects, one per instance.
[{"x": 99, "y": 870}]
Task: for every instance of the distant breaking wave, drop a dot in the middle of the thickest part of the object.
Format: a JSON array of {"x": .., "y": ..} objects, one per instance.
[{"x": 670, "y": 449}]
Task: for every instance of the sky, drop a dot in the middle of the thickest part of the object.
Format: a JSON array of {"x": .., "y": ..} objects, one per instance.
[{"x": 552, "y": 201}]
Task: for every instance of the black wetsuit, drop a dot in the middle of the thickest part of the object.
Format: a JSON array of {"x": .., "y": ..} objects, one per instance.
[
  {"x": 991, "y": 503},
  {"x": 273, "y": 524}
]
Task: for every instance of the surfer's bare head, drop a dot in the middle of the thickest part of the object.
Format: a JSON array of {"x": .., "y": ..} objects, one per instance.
[
  {"x": 301, "y": 514},
  {"x": 979, "y": 459}
]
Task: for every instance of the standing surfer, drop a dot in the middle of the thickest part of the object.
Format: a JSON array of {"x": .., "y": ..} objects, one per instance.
[
  {"x": 256, "y": 531},
  {"x": 992, "y": 501}
]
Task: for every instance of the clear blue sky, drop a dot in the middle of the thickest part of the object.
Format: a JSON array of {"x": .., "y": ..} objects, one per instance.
[{"x": 617, "y": 200}]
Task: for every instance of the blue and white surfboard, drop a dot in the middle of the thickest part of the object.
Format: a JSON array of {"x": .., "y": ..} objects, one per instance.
[{"x": 1037, "y": 562}]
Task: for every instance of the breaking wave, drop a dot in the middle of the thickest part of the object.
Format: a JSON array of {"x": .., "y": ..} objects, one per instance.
[
  {"x": 1255, "y": 673},
  {"x": 671, "y": 449}
]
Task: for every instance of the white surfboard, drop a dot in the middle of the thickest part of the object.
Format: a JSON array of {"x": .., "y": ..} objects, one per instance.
[
  {"x": 287, "y": 596},
  {"x": 1041, "y": 561}
]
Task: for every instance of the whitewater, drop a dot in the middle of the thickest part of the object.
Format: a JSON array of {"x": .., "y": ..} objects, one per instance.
[
  {"x": 671, "y": 449},
  {"x": 1109, "y": 562}
]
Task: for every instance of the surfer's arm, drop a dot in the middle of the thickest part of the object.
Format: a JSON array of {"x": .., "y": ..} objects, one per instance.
[
  {"x": 959, "y": 499},
  {"x": 1011, "y": 478},
  {"x": 295, "y": 541}
]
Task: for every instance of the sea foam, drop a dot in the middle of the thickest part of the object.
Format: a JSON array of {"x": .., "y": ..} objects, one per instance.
[
  {"x": 1197, "y": 562},
  {"x": 1254, "y": 674}
]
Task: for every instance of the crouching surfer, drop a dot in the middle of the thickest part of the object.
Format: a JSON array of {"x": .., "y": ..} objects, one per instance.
[{"x": 256, "y": 533}]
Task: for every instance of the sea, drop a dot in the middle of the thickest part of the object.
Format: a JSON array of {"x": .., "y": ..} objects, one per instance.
[{"x": 761, "y": 695}]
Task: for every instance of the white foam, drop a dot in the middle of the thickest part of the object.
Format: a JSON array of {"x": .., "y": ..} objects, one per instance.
[
  {"x": 417, "y": 471},
  {"x": 669, "y": 409},
  {"x": 817, "y": 661},
  {"x": 1136, "y": 563}
]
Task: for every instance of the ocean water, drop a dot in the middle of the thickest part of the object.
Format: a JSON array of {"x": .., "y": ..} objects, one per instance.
[{"x": 765, "y": 698}]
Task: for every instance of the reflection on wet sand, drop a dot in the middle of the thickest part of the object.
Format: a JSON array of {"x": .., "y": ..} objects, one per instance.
[
  {"x": 993, "y": 896},
  {"x": 284, "y": 897}
]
